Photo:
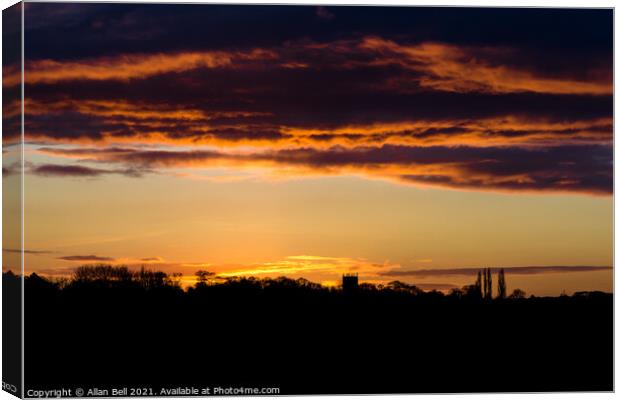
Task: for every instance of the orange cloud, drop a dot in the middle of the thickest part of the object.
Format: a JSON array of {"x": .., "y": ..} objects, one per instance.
[
  {"x": 458, "y": 69},
  {"x": 256, "y": 125},
  {"x": 143, "y": 122},
  {"x": 438, "y": 66},
  {"x": 130, "y": 66},
  {"x": 486, "y": 132}
]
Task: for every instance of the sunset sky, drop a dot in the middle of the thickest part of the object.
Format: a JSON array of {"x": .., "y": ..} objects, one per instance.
[{"x": 416, "y": 144}]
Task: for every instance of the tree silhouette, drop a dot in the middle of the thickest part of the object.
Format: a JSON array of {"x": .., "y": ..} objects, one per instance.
[
  {"x": 150, "y": 279},
  {"x": 204, "y": 277},
  {"x": 285, "y": 312},
  {"x": 484, "y": 283},
  {"x": 105, "y": 276},
  {"x": 501, "y": 285},
  {"x": 399, "y": 286},
  {"x": 478, "y": 284},
  {"x": 487, "y": 283},
  {"x": 174, "y": 279},
  {"x": 457, "y": 293},
  {"x": 102, "y": 273},
  {"x": 105, "y": 302},
  {"x": 489, "y": 291}
]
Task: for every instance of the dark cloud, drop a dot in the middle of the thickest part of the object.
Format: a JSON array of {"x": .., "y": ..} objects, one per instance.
[
  {"x": 305, "y": 106},
  {"x": 85, "y": 30},
  {"x": 566, "y": 168},
  {"x": 10, "y": 168},
  {"x": 11, "y": 40},
  {"x": 474, "y": 98},
  {"x": 528, "y": 270},
  {"x": 304, "y": 98},
  {"x": 57, "y": 170},
  {"x": 25, "y": 251},
  {"x": 311, "y": 85},
  {"x": 324, "y": 13},
  {"x": 85, "y": 258},
  {"x": 66, "y": 170}
]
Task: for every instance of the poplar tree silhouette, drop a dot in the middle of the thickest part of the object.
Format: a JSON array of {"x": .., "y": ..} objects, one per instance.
[
  {"x": 488, "y": 283},
  {"x": 478, "y": 284},
  {"x": 501, "y": 285}
]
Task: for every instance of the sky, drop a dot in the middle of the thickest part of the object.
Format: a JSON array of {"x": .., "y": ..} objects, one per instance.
[{"x": 417, "y": 144}]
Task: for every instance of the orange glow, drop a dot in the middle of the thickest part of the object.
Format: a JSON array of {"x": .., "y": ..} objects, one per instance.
[{"x": 306, "y": 264}]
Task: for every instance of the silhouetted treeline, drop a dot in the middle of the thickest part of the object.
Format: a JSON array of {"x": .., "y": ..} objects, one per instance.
[
  {"x": 103, "y": 276},
  {"x": 114, "y": 326}
]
